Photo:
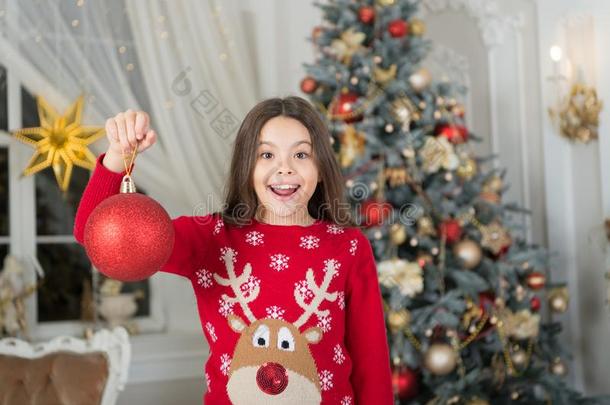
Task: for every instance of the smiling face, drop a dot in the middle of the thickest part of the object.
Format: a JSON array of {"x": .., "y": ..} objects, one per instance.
[{"x": 285, "y": 173}]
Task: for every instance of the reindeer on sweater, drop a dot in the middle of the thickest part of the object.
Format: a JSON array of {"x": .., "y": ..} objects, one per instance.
[{"x": 271, "y": 362}]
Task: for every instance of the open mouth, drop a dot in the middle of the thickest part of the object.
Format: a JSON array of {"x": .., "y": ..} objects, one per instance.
[{"x": 284, "y": 190}]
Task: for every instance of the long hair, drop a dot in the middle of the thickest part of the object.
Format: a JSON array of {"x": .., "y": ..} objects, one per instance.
[{"x": 328, "y": 200}]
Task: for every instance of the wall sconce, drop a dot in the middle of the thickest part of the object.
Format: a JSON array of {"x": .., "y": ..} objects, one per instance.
[{"x": 576, "y": 115}]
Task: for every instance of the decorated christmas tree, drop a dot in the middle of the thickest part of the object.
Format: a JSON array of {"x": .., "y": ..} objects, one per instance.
[{"x": 465, "y": 295}]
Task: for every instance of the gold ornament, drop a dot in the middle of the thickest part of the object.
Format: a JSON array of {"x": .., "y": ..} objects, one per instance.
[
  {"x": 404, "y": 111},
  {"x": 398, "y": 234},
  {"x": 417, "y": 27},
  {"x": 398, "y": 320},
  {"x": 352, "y": 145},
  {"x": 397, "y": 176},
  {"x": 440, "y": 359},
  {"x": 384, "y": 76},
  {"x": 519, "y": 357},
  {"x": 407, "y": 276},
  {"x": 420, "y": 79},
  {"x": 438, "y": 153},
  {"x": 493, "y": 185},
  {"x": 60, "y": 141},
  {"x": 467, "y": 169},
  {"x": 349, "y": 44},
  {"x": 558, "y": 299},
  {"x": 385, "y": 3},
  {"x": 425, "y": 227},
  {"x": 559, "y": 367},
  {"x": 578, "y": 117},
  {"x": 495, "y": 237},
  {"x": 469, "y": 252},
  {"x": 521, "y": 324},
  {"x": 477, "y": 401}
]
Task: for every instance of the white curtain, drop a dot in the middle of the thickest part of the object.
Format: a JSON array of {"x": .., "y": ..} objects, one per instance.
[{"x": 127, "y": 54}]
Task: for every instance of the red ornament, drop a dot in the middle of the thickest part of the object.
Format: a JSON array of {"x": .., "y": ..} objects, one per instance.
[
  {"x": 398, "y": 28},
  {"x": 452, "y": 230},
  {"x": 347, "y": 108},
  {"x": 129, "y": 236},
  {"x": 535, "y": 280},
  {"x": 309, "y": 85},
  {"x": 316, "y": 32},
  {"x": 455, "y": 134},
  {"x": 535, "y": 303},
  {"x": 375, "y": 212},
  {"x": 405, "y": 382},
  {"x": 366, "y": 14}
]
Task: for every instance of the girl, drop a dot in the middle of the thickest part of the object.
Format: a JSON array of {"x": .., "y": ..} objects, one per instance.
[{"x": 286, "y": 287}]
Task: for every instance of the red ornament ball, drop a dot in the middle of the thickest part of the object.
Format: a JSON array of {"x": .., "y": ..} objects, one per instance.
[
  {"x": 455, "y": 134},
  {"x": 405, "y": 382},
  {"x": 366, "y": 14},
  {"x": 535, "y": 280},
  {"x": 398, "y": 28},
  {"x": 452, "y": 230},
  {"x": 129, "y": 236},
  {"x": 375, "y": 212},
  {"x": 309, "y": 85},
  {"x": 347, "y": 108},
  {"x": 316, "y": 32},
  {"x": 535, "y": 303}
]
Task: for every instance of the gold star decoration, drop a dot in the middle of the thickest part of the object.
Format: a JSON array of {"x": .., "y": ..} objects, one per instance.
[
  {"x": 349, "y": 44},
  {"x": 60, "y": 141},
  {"x": 495, "y": 237}
]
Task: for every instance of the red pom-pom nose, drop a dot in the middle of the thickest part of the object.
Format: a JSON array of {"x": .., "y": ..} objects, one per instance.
[{"x": 272, "y": 378}]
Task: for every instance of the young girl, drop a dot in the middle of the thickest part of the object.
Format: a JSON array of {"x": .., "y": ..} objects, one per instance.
[{"x": 286, "y": 288}]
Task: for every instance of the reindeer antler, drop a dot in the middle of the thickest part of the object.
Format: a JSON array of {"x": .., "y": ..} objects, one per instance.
[
  {"x": 320, "y": 293},
  {"x": 235, "y": 282}
]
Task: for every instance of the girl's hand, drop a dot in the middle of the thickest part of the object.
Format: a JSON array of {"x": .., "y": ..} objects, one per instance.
[
  {"x": 125, "y": 132},
  {"x": 128, "y": 130}
]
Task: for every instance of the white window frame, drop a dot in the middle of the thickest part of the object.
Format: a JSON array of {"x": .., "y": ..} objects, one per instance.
[{"x": 22, "y": 239}]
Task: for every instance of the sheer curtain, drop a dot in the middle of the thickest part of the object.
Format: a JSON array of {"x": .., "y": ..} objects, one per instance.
[{"x": 129, "y": 54}]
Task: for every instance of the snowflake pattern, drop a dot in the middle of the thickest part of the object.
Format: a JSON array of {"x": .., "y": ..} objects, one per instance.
[
  {"x": 225, "y": 307},
  {"x": 346, "y": 400},
  {"x": 326, "y": 380},
  {"x": 211, "y": 331},
  {"x": 275, "y": 312},
  {"x": 334, "y": 229},
  {"x": 207, "y": 382},
  {"x": 254, "y": 238},
  {"x": 341, "y": 300},
  {"x": 204, "y": 278},
  {"x": 249, "y": 287},
  {"x": 219, "y": 224},
  {"x": 309, "y": 242},
  {"x": 324, "y": 323},
  {"x": 225, "y": 250},
  {"x": 353, "y": 246},
  {"x": 225, "y": 363},
  {"x": 332, "y": 262},
  {"x": 279, "y": 262},
  {"x": 301, "y": 288},
  {"x": 338, "y": 357}
]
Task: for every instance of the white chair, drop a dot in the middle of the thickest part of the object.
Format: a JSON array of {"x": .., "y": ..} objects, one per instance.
[{"x": 65, "y": 370}]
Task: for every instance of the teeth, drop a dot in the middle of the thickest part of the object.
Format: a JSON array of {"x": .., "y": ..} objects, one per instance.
[{"x": 285, "y": 186}]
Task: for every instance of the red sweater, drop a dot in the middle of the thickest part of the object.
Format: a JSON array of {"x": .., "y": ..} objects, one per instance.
[{"x": 292, "y": 314}]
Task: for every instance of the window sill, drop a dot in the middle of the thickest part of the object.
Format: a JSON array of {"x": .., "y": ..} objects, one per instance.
[{"x": 167, "y": 356}]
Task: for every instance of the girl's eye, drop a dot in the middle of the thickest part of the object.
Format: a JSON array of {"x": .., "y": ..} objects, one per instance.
[
  {"x": 265, "y": 154},
  {"x": 304, "y": 154}
]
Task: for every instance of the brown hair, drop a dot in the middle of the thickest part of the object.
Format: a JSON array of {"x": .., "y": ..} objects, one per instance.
[{"x": 328, "y": 200}]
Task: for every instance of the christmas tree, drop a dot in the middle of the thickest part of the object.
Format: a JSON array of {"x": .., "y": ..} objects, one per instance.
[{"x": 464, "y": 293}]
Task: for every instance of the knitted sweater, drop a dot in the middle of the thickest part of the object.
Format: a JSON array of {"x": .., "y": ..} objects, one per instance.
[{"x": 292, "y": 314}]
